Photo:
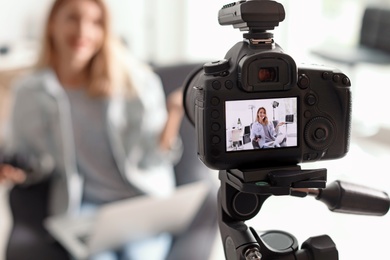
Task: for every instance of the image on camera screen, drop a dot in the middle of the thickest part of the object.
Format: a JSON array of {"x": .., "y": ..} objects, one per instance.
[{"x": 261, "y": 124}]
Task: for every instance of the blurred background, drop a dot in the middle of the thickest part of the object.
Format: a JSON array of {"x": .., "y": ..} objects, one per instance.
[{"x": 169, "y": 32}]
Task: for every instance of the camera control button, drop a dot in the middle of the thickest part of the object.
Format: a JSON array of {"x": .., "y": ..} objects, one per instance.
[
  {"x": 346, "y": 81},
  {"x": 336, "y": 78},
  {"x": 307, "y": 114},
  {"x": 215, "y": 139},
  {"x": 215, "y": 101},
  {"x": 320, "y": 134},
  {"x": 326, "y": 75},
  {"x": 216, "y": 85},
  {"x": 311, "y": 100},
  {"x": 303, "y": 81},
  {"x": 229, "y": 84},
  {"x": 215, "y": 114},
  {"x": 215, "y": 127}
]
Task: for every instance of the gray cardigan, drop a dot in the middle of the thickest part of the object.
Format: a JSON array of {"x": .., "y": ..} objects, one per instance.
[
  {"x": 40, "y": 125},
  {"x": 257, "y": 129}
]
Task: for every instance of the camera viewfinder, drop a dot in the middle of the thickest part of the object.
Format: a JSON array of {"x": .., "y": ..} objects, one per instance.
[{"x": 268, "y": 74}]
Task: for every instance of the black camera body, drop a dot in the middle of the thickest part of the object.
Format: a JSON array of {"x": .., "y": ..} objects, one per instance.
[{"x": 307, "y": 108}]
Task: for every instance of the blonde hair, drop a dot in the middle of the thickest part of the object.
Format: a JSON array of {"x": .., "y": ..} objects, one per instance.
[
  {"x": 107, "y": 71},
  {"x": 265, "y": 122}
]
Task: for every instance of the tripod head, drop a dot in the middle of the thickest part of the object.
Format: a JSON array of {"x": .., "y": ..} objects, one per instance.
[{"x": 243, "y": 193}]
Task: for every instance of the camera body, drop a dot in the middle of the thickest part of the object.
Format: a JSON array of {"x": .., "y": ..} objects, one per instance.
[{"x": 286, "y": 114}]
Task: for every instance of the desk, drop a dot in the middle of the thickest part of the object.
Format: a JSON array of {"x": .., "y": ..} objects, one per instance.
[{"x": 235, "y": 138}]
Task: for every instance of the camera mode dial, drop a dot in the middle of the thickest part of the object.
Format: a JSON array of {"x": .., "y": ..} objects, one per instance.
[
  {"x": 217, "y": 68},
  {"x": 319, "y": 133}
]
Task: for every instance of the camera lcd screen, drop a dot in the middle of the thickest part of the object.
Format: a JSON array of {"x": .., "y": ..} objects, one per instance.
[{"x": 261, "y": 124}]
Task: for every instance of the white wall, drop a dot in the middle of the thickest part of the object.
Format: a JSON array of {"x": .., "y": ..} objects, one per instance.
[
  {"x": 167, "y": 31},
  {"x": 152, "y": 28},
  {"x": 160, "y": 30},
  {"x": 21, "y": 19}
]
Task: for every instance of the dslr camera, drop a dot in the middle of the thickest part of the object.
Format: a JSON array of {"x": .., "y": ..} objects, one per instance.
[{"x": 304, "y": 111}]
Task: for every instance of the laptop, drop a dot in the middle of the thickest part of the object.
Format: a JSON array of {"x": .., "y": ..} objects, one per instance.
[{"x": 120, "y": 222}]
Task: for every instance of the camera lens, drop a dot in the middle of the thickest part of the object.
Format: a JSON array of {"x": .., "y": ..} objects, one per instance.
[{"x": 267, "y": 75}]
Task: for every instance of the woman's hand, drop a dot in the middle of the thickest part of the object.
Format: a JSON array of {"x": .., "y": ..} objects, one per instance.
[
  {"x": 12, "y": 174},
  {"x": 175, "y": 101},
  {"x": 175, "y": 116}
]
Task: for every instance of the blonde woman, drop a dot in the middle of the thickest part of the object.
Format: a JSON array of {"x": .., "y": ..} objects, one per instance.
[
  {"x": 263, "y": 131},
  {"x": 94, "y": 118}
]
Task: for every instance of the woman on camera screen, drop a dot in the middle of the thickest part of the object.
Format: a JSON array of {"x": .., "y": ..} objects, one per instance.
[{"x": 263, "y": 133}]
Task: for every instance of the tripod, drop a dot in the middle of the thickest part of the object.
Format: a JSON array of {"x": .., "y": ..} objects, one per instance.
[{"x": 243, "y": 192}]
